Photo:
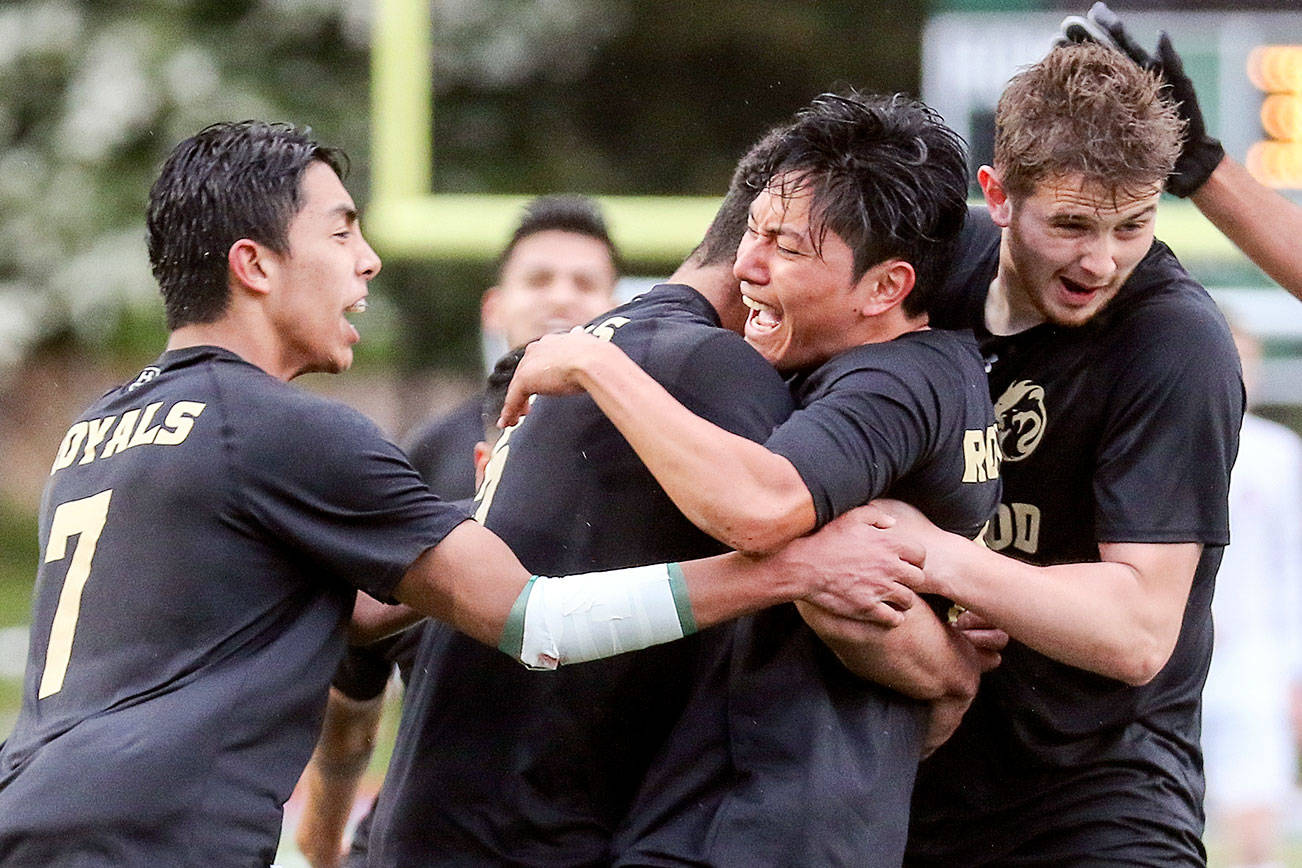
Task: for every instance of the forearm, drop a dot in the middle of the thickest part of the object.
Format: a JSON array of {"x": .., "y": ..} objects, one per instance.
[
  {"x": 373, "y": 620},
  {"x": 1106, "y": 617},
  {"x": 1261, "y": 222},
  {"x": 921, "y": 657},
  {"x": 333, "y": 774},
  {"x": 471, "y": 580},
  {"x": 764, "y": 503}
]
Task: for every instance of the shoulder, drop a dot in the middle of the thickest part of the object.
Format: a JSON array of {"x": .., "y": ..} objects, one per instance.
[
  {"x": 1163, "y": 312},
  {"x": 672, "y": 301},
  {"x": 920, "y": 356}
]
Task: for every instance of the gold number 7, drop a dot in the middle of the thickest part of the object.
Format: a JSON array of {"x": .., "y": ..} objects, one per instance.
[{"x": 84, "y": 519}]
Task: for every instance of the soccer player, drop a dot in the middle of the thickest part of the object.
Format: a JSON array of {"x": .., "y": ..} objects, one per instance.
[
  {"x": 558, "y": 271},
  {"x": 1260, "y": 222},
  {"x": 1119, "y": 400},
  {"x": 853, "y": 229},
  {"x": 205, "y": 527},
  {"x": 497, "y": 765}
]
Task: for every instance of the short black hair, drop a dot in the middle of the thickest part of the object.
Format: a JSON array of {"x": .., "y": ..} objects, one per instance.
[
  {"x": 499, "y": 379},
  {"x": 577, "y": 214},
  {"x": 719, "y": 246},
  {"x": 228, "y": 181},
  {"x": 887, "y": 176}
]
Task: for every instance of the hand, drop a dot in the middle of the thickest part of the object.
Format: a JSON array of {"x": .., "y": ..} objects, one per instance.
[
  {"x": 916, "y": 528},
  {"x": 987, "y": 639},
  {"x": 550, "y": 366},
  {"x": 1200, "y": 153},
  {"x": 855, "y": 568}
]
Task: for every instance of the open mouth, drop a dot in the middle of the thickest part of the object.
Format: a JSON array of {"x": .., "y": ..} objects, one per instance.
[
  {"x": 358, "y": 306},
  {"x": 1078, "y": 289},
  {"x": 762, "y": 317}
]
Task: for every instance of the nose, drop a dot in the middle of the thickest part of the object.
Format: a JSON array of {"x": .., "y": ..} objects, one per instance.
[
  {"x": 1097, "y": 258},
  {"x": 750, "y": 266},
  {"x": 368, "y": 262}
]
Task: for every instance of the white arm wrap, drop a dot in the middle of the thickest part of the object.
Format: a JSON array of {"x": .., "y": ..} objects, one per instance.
[{"x": 571, "y": 619}]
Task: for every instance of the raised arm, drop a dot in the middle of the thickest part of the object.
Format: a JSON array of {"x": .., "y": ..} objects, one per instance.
[
  {"x": 1259, "y": 221},
  {"x": 1119, "y": 617},
  {"x": 472, "y": 580},
  {"x": 764, "y": 504}
]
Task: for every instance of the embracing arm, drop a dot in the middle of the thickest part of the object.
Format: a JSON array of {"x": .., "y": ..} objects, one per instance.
[
  {"x": 765, "y": 503},
  {"x": 1260, "y": 222},
  {"x": 854, "y": 566},
  {"x": 920, "y": 657},
  {"x": 1118, "y": 617}
]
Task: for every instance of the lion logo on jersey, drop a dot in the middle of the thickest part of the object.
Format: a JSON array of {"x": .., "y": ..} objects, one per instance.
[{"x": 1020, "y": 415}]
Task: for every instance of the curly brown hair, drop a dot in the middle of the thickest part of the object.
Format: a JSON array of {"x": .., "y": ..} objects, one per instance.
[{"x": 1085, "y": 110}]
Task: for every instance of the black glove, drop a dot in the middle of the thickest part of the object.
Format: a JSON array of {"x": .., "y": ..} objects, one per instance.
[{"x": 1200, "y": 154}]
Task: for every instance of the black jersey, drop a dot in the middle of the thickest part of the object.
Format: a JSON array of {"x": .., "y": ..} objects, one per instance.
[
  {"x": 496, "y": 764},
  {"x": 203, "y": 531},
  {"x": 1122, "y": 430},
  {"x": 817, "y": 765}
]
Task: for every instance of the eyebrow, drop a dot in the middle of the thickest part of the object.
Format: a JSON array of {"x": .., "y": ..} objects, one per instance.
[
  {"x": 784, "y": 229},
  {"x": 348, "y": 212}
]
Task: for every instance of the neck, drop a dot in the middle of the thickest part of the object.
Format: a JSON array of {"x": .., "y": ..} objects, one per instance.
[
  {"x": 1008, "y": 310},
  {"x": 244, "y": 339},
  {"x": 720, "y": 288}
]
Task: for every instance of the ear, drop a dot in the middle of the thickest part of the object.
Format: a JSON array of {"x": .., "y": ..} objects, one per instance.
[
  {"x": 997, "y": 202},
  {"x": 249, "y": 265},
  {"x": 490, "y": 310},
  {"x": 482, "y": 453},
  {"x": 888, "y": 284}
]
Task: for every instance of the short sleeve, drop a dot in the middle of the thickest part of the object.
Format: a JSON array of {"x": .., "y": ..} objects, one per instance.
[
  {"x": 753, "y": 412},
  {"x": 855, "y": 440},
  {"x": 1171, "y": 430},
  {"x": 329, "y": 486}
]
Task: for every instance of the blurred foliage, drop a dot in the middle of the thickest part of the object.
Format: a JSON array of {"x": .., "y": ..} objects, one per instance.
[
  {"x": 94, "y": 96},
  {"x": 603, "y": 96},
  {"x": 18, "y": 555}
]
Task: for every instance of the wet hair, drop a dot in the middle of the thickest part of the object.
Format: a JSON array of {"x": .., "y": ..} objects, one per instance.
[
  {"x": 719, "y": 246},
  {"x": 577, "y": 214},
  {"x": 1088, "y": 111},
  {"x": 499, "y": 380},
  {"x": 887, "y": 177},
  {"x": 229, "y": 181}
]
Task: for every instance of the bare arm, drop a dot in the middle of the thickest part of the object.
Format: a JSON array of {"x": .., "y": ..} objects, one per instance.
[
  {"x": 765, "y": 503},
  {"x": 1119, "y": 617},
  {"x": 1260, "y": 222},
  {"x": 333, "y": 774},
  {"x": 852, "y": 567},
  {"x": 373, "y": 620},
  {"x": 921, "y": 657}
]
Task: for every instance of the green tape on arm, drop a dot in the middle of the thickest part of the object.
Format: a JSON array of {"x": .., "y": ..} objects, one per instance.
[
  {"x": 678, "y": 587},
  {"x": 512, "y": 639}
]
